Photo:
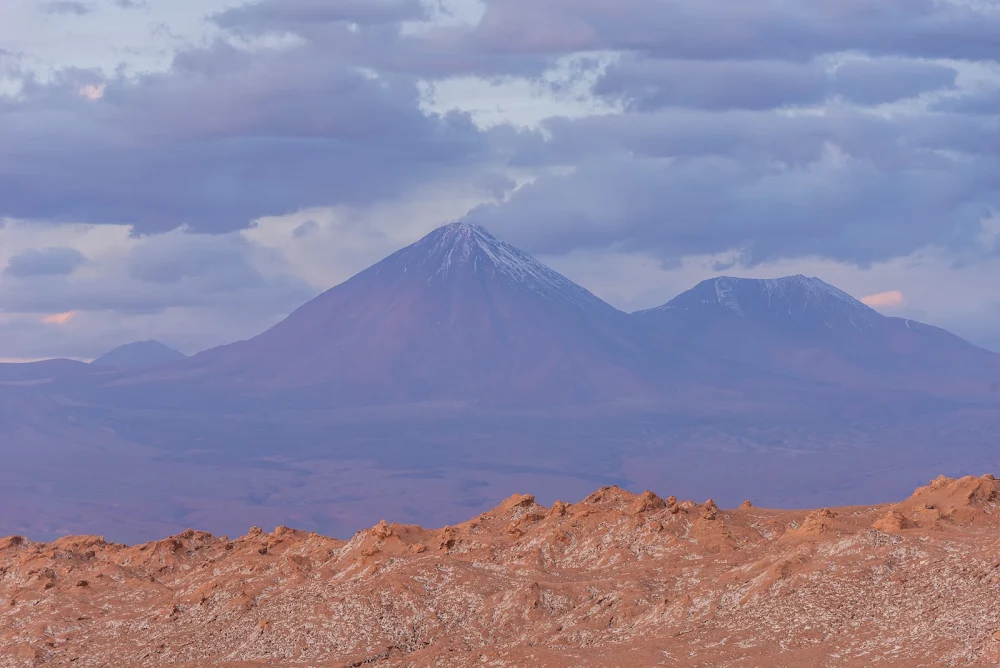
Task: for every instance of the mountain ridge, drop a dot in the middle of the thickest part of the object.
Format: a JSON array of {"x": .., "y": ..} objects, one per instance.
[{"x": 461, "y": 315}]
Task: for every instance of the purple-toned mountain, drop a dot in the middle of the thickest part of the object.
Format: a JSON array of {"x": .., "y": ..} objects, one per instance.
[
  {"x": 138, "y": 355},
  {"x": 459, "y": 315},
  {"x": 462, "y": 316},
  {"x": 805, "y": 328},
  {"x": 788, "y": 391}
]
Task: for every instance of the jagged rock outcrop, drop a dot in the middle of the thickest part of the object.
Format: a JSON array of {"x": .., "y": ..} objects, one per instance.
[{"x": 617, "y": 579}]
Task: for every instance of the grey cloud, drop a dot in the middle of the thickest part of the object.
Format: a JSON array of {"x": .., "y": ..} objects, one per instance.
[
  {"x": 847, "y": 186},
  {"x": 225, "y": 137},
  {"x": 730, "y": 29},
  {"x": 437, "y": 51},
  {"x": 892, "y": 142},
  {"x": 644, "y": 83},
  {"x": 294, "y": 15},
  {"x": 305, "y": 229},
  {"x": 983, "y": 100},
  {"x": 230, "y": 135},
  {"x": 523, "y": 37},
  {"x": 218, "y": 263},
  {"x": 66, "y": 7},
  {"x": 169, "y": 271},
  {"x": 45, "y": 262},
  {"x": 890, "y": 79}
]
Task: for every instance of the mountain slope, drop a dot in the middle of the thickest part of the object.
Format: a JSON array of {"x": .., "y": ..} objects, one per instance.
[
  {"x": 459, "y": 315},
  {"x": 139, "y": 355},
  {"x": 807, "y": 328}
]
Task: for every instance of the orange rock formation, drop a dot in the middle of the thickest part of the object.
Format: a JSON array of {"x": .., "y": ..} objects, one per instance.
[{"x": 616, "y": 580}]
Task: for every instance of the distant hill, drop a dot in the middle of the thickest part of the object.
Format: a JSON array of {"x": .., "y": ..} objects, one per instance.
[{"x": 139, "y": 355}]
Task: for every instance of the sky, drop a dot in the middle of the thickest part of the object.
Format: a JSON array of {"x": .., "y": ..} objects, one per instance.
[{"x": 193, "y": 170}]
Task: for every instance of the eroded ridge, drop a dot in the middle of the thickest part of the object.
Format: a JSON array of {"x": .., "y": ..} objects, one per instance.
[{"x": 616, "y": 580}]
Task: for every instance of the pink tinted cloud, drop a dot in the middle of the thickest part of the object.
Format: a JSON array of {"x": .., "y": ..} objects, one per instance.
[
  {"x": 59, "y": 318},
  {"x": 888, "y": 300}
]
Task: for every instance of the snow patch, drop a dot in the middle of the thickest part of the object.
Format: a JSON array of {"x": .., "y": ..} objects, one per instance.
[
  {"x": 799, "y": 297},
  {"x": 460, "y": 245}
]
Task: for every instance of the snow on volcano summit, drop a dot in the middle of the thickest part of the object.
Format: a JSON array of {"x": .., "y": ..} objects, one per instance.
[
  {"x": 458, "y": 315},
  {"x": 459, "y": 250},
  {"x": 795, "y": 302}
]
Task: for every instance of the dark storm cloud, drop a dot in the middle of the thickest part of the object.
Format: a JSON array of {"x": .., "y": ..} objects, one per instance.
[
  {"x": 294, "y": 15},
  {"x": 45, "y": 262},
  {"x": 66, "y": 7}
]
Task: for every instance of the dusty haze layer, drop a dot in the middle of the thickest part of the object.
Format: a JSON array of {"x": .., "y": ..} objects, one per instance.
[{"x": 615, "y": 580}]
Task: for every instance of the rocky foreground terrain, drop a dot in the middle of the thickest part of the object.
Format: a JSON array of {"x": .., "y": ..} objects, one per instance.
[{"x": 615, "y": 580}]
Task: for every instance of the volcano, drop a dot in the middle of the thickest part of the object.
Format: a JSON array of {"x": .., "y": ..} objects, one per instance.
[
  {"x": 803, "y": 327},
  {"x": 463, "y": 317},
  {"x": 458, "y": 316},
  {"x": 459, "y": 367}
]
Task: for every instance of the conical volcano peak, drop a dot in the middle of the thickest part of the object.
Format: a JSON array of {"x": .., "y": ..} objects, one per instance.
[
  {"x": 459, "y": 234},
  {"x": 457, "y": 243},
  {"x": 462, "y": 250},
  {"x": 459, "y": 315},
  {"x": 466, "y": 232}
]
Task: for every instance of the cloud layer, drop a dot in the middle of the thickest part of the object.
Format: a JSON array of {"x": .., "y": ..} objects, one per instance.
[
  {"x": 44, "y": 262},
  {"x": 756, "y": 134}
]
